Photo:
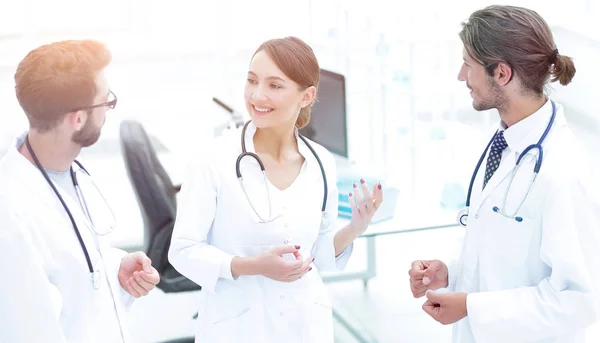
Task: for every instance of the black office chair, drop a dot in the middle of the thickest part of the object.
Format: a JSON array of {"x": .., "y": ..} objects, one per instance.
[{"x": 156, "y": 196}]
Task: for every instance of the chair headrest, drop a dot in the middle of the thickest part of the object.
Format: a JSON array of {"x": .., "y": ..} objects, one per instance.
[{"x": 151, "y": 184}]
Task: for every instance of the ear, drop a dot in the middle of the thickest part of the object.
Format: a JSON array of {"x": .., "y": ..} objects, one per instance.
[
  {"x": 503, "y": 73},
  {"x": 77, "y": 119},
  {"x": 309, "y": 96}
]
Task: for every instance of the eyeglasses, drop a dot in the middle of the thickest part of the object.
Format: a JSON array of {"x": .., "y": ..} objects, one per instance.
[{"x": 110, "y": 103}]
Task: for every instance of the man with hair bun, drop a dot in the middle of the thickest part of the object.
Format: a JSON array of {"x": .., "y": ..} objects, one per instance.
[{"x": 529, "y": 268}]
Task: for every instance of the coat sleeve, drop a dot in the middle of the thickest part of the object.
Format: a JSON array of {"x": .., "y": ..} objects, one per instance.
[
  {"x": 454, "y": 267},
  {"x": 324, "y": 250},
  {"x": 113, "y": 265},
  {"x": 454, "y": 264},
  {"x": 566, "y": 300},
  {"x": 190, "y": 252},
  {"x": 30, "y": 305}
]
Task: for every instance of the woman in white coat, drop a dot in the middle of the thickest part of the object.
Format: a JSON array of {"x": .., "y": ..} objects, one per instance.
[
  {"x": 257, "y": 247},
  {"x": 529, "y": 267}
]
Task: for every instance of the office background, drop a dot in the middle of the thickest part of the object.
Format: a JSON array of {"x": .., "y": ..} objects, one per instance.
[
  {"x": 409, "y": 120},
  {"x": 407, "y": 113}
]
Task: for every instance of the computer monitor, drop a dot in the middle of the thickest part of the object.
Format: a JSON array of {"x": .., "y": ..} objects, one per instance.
[{"x": 328, "y": 116}]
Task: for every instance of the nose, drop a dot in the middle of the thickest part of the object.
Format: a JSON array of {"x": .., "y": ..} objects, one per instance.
[
  {"x": 258, "y": 94},
  {"x": 462, "y": 73}
]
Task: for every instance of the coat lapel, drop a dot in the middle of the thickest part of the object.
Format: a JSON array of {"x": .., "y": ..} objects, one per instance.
[{"x": 35, "y": 181}]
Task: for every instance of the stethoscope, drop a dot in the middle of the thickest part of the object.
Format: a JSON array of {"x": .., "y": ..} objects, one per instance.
[
  {"x": 463, "y": 215},
  {"x": 94, "y": 274},
  {"x": 324, "y": 217}
]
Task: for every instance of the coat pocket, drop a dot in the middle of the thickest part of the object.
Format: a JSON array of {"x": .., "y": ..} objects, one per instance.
[
  {"x": 226, "y": 304},
  {"x": 508, "y": 240},
  {"x": 230, "y": 315},
  {"x": 318, "y": 322},
  {"x": 319, "y": 295}
]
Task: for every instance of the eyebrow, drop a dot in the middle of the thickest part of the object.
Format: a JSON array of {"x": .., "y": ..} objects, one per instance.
[{"x": 268, "y": 77}]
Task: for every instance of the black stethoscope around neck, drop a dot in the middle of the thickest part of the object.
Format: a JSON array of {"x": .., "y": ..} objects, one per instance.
[
  {"x": 463, "y": 215},
  {"x": 94, "y": 274},
  {"x": 324, "y": 218}
]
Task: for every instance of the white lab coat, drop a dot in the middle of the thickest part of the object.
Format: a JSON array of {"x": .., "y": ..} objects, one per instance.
[
  {"x": 532, "y": 281},
  {"x": 46, "y": 292},
  {"x": 215, "y": 223}
]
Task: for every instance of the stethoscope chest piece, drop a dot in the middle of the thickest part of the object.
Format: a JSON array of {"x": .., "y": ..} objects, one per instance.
[
  {"x": 325, "y": 221},
  {"x": 463, "y": 216},
  {"x": 96, "y": 279}
]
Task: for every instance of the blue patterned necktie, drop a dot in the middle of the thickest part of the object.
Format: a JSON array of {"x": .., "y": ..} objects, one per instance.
[{"x": 494, "y": 157}]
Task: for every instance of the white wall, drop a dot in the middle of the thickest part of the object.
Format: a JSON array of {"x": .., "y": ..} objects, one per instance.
[{"x": 582, "y": 94}]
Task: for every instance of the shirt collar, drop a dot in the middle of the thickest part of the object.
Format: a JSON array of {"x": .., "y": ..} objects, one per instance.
[
  {"x": 518, "y": 135},
  {"x": 24, "y": 167},
  {"x": 16, "y": 145}
]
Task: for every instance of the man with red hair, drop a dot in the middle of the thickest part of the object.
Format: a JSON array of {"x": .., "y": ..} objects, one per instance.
[{"x": 61, "y": 280}]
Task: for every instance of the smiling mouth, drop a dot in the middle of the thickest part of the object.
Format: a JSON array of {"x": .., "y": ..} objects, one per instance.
[{"x": 262, "y": 110}]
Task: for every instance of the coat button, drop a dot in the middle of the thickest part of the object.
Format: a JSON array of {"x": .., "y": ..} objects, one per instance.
[
  {"x": 285, "y": 242},
  {"x": 281, "y": 314},
  {"x": 282, "y": 297}
]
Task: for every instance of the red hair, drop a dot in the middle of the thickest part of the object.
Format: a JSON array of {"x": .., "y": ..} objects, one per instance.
[
  {"x": 59, "y": 78},
  {"x": 297, "y": 61}
]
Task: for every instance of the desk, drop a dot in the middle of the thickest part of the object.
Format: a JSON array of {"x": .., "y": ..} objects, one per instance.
[{"x": 390, "y": 227}]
